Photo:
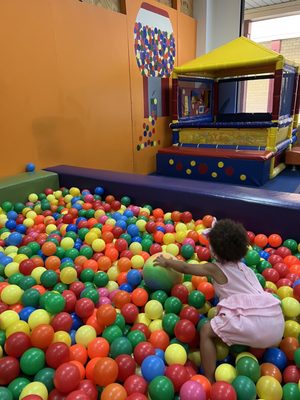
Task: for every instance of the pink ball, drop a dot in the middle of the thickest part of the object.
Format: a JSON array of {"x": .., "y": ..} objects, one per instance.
[
  {"x": 103, "y": 292},
  {"x": 112, "y": 293},
  {"x": 192, "y": 390},
  {"x": 103, "y": 219},
  {"x": 104, "y": 300},
  {"x": 189, "y": 241},
  {"x": 169, "y": 228}
]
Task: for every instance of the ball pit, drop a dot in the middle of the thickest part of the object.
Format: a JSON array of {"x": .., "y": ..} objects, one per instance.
[{"x": 84, "y": 314}]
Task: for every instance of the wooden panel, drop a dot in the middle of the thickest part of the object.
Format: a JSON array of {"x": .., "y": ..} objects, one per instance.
[{"x": 114, "y": 5}]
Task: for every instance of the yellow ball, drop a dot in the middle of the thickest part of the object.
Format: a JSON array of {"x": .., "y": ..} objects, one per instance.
[
  {"x": 90, "y": 237},
  {"x": 11, "y": 294},
  {"x": 135, "y": 248},
  {"x": 137, "y": 261},
  {"x": 7, "y": 318},
  {"x": 285, "y": 291},
  {"x": 110, "y": 221},
  {"x": 222, "y": 350},
  {"x": 180, "y": 227},
  {"x": 195, "y": 357},
  {"x": 31, "y": 214},
  {"x": 175, "y": 354},
  {"x": 225, "y": 372},
  {"x": 290, "y": 307},
  {"x": 85, "y": 334},
  {"x": 213, "y": 311},
  {"x": 3, "y": 219},
  {"x": 68, "y": 275},
  {"x": 51, "y": 228},
  {"x": 99, "y": 213},
  {"x": 169, "y": 238},
  {"x": 155, "y": 325},
  {"x": 271, "y": 285},
  {"x": 67, "y": 243},
  {"x": 50, "y": 198},
  {"x": 33, "y": 197},
  {"x": 111, "y": 286},
  {"x": 74, "y": 191},
  {"x": 153, "y": 309},
  {"x": 190, "y": 226},
  {"x": 19, "y": 326},
  {"x": 28, "y": 222},
  {"x": 113, "y": 273},
  {"x": 62, "y": 336},
  {"x": 205, "y": 308},
  {"x": 180, "y": 236},
  {"x": 11, "y": 268},
  {"x": 58, "y": 194},
  {"x": 172, "y": 249},
  {"x": 10, "y": 249},
  {"x": 38, "y": 317},
  {"x": 142, "y": 319},
  {"x": 37, "y": 273},
  {"x": 37, "y": 388},
  {"x": 188, "y": 285},
  {"x": 269, "y": 388},
  {"x": 1, "y": 352},
  {"x": 20, "y": 257},
  {"x": 98, "y": 245},
  {"x": 141, "y": 224},
  {"x": 291, "y": 328},
  {"x": 167, "y": 216},
  {"x": 245, "y": 354}
]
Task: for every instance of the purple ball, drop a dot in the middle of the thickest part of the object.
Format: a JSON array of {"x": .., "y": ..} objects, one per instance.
[{"x": 192, "y": 390}]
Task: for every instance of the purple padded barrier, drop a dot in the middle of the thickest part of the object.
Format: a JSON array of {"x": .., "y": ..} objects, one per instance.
[{"x": 261, "y": 211}]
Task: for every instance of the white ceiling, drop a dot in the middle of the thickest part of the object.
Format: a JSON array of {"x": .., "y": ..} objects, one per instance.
[{"x": 263, "y": 3}]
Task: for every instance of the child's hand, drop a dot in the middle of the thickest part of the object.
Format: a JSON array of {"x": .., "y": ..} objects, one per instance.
[{"x": 160, "y": 261}]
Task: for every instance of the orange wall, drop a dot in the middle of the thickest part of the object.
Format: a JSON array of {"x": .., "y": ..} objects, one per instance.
[{"x": 67, "y": 93}]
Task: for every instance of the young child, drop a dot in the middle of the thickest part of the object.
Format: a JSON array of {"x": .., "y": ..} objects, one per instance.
[{"x": 247, "y": 315}]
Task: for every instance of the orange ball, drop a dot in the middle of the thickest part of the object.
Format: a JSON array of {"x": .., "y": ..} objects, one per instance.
[
  {"x": 290, "y": 260},
  {"x": 196, "y": 280},
  {"x": 145, "y": 255},
  {"x": 105, "y": 371},
  {"x": 38, "y": 261},
  {"x": 98, "y": 347},
  {"x": 295, "y": 269},
  {"x": 139, "y": 297},
  {"x": 158, "y": 213},
  {"x": 176, "y": 216},
  {"x": 122, "y": 278},
  {"x": 89, "y": 368},
  {"x": 159, "y": 339},
  {"x": 268, "y": 369},
  {"x": 108, "y": 237},
  {"x": 158, "y": 236},
  {"x": 112, "y": 253},
  {"x": 16, "y": 307},
  {"x": 204, "y": 382},
  {"x": 121, "y": 298},
  {"x": 261, "y": 240},
  {"x": 109, "y": 199},
  {"x": 289, "y": 345},
  {"x": 39, "y": 288},
  {"x": 91, "y": 264},
  {"x": 80, "y": 260},
  {"x": 3, "y": 285},
  {"x": 104, "y": 263},
  {"x": 275, "y": 240},
  {"x": 42, "y": 336},
  {"x": 193, "y": 235},
  {"x": 114, "y": 391},
  {"x": 207, "y": 221},
  {"x": 92, "y": 321},
  {"x": 107, "y": 228},
  {"x": 49, "y": 248},
  {"x": 91, "y": 222},
  {"x": 106, "y": 314},
  {"x": 124, "y": 264},
  {"x": 52, "y": 262},
  {"x": 80, "y": 367},
  {"x": 78, "y": 353},
  {"x": 207, "y": 289}
]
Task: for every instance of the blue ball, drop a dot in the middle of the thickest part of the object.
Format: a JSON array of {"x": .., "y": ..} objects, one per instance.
[
  {"x": 152, "y": 366},
  {"x": 133, "y": 230},
  {"x": 6, "y": 260},
  {"x": 72, "y": 333},
  {"x": 21, "y": 228},
  {"x": 77, "y": 322},
  {"x": 14, "y": 239},
  {"x": 12, "y": 215},
  {"x": 121, "y": 224},
  {"x": 275, "y": 356},
  {"x": 297, "y": 282},
  {"x": 160, "y": 353},
  {"x": 10, "y": 224},
  {"x": 30, "y": 167},
  {"x": 127, "y": 287},
  {"x": 161, "y": 229},
  {"x": 99, "y": 190},
  {"x": 24, "y": 314},
  {"x": 128, "y": 213},
  {"x": 134, "y": 277}
]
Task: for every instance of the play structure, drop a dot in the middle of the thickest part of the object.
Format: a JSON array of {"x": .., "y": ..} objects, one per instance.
[{"x": 214, "y": 137}]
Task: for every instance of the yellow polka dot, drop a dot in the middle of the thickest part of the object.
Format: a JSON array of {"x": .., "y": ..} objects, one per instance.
[
  {"x": 193, "y": 163},
  {"x": 171, "y": 162},
  {"x": 142, "y": 146},
  {"x": 188, "y": 171},
  {"x": 155, "y": 144},
  {"x": 243, "y": 177},
  {"x": 214, "y": 174},
  {"x": 220, "y": 164},
  {"x": 155, "y": 101},
  {"x": 150, "y": 118}
]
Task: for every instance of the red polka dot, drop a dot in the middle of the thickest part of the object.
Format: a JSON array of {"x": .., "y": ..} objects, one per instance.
[
  {"x": 229, "y": 171},
  {"x": 140, "y": 138},
  {"x": 179, "y": 166},
  {"x": 203, "y": 168},
  {"x": 159, "y": 142}
]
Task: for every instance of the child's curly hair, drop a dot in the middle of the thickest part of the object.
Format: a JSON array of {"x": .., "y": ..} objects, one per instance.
[{"x": 229, "y": 240}]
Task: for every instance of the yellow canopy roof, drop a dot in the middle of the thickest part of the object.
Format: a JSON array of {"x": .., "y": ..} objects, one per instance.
[{"x": 238, "y": 57}]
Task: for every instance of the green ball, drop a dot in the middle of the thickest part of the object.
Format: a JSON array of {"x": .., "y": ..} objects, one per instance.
[
  {"x": 261, "y": 279},
  {"x": 2, "y": 268},
  {"x": 159, "y": 295},
  {"x": 45, "y": 205},
  {"x": 169, "y": 321},
  {"x": 173, "y": 305},
  {"x": 187, "y": 251},
  {"x": 16, "y": 386},
  {"x": 120, "y": 321},
  {"x": 120, "y": 345},
  {"x": 90, "y": 293},
  {"x": 2, "y": 338},
  {"x": 5, "y": 393},
  {"x": 86, "y": 251},
  {"x": 238, "y": 348},
  {"x": 262, "y": 265},
  {"x": 291, "y": 391},
  {"x": 202, "y": 322},
  {"x": 291, "y": 244},
  {"x": 148, "y": 206},
  {"x": 66, "y": 264},
  {"x": 27, "y": 282},
  {"x": 49, "y": 278},
  {"x": 72, "y": 253},
  {"x": 16, "y": 278},
  {"x": 196, "y": 299},
  {"x": 32, "y": 361},
  {"x": 146, "y": 244},
  {"x": 43, "y": 298},
  {"x": 184, "y": 345},
  {"x": 46, "y": 376},
  {"x": 7, "y": 206},
  {"x": 25, "y": 250},
  {"x": 127, "y": 329},
  {"x": 101, "y": 279},
  {"x": 126, "y": 237},
  {"x": 90, "y": 213},
  {"x": 125, "y": 201},
  {"x": 18, "y": 207},
  {"x": 111, "y": 333},
  {"x": 161, "y": 387},
  {"x": 297, "y": 357},
  {"x": 60, "y": 287},
  {"x": 72, "y": 235},
  {"x": 60, "y": 252},
  {"x": 247, "y": 366},
  {"x": 252, "y": 257},
  {"x": 87, "y": 275},
  {"x": 53, "y": 240},
  {"x": 135, "y": 337},
  {"x": 187, "y": 278},
  {"x": 244, "y": 387},
  {"x": 55, "y": 303},
  {"x": 82, "y": 232},
  {"x": 31, "y": 297},
  {"x": 34, "y": 247}
]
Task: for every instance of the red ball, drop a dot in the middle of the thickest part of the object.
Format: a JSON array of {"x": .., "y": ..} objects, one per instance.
[
  {"x": 77, "y": 395},
  {"x": 155, "y": 248},
  {"x": 284, "y": 282},
  {"x": 177, "y": 374},
  {"x": 222, "y": 391},
  {"x": 121, "y": 244},
  {"x": 135, "y": 384},
  {"x": 137, "y": 396},
  {"x": 127, "y": 366},
  {"x": 3, "y": 307},
  {"x": 203, "y": 253},
  {"x": 57, "y": 354},
  {"x": 190, "y": 313},
  {"x": 251, "y": 236},
  {"x": 32, "y": 397},
  {"x": 16, "y": 344},
  {"x": 77, "y": 288},
  {"x": 143, "y": 328},
  {"x": 282, "y": 269},
  {"x": 185, "y": 330},
  {"x": 84, "y": 307},
  {"x": 9, "y": 369},
  {"x": 270, "y": 274},
  {"x": 130, "y": 312},
  {"x": 291, "y": 374},
  {"x": 26, "y": 267},
  {"x": 70, "y": 299},
  {"x": 274, "y": 259},
  {"x": 261, "y": 240},
  {"x": 62, "y": 322},
  {"x": 181, "y": 292},
  {"x": 186, "y": 217},
  {"x": 283, "y": 251},
  {"x": 56, "y": 395},
  {"x": 289, "y": 345},
  {"x": 275, "y": 240},
  {"x": 143, "y": 350},
  {"x": 296, "y": 292},
  {"x": 88, "y": 387},
  {"x": 66, "y": 377}
]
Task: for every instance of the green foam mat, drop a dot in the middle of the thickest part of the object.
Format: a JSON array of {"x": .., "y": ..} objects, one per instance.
[{"x": 17, "y": 188}]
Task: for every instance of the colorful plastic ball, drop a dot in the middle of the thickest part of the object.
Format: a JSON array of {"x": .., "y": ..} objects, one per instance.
[
  {"x": 42, "y": 336},
  {"x": 181, "y": 292},
  {"x": 85, "y": 334},
  {"x": 105, "y": 371},
  {"x": 244, "y": 387},
  {"x": 177, "y": 374},
  {"x": 120, "y": 345},
  {"x": 9, "y": 369},
  {"x": 11, "y": 294},
  {"x": 114, "y": 391},
  {"x": 275, "y": 356},
  {"x": 291, "y": 374},
  {"x": 223, "y": 391},
  {"x": 5, "y": 394},
  {"x": 290, "y": 307},
  {"x": 30, "y": 167},
  {"x": 135, "y": 384},
  {"x": 161, "y": 387},
  {"x": 152, "y": 367},
  {"x": 88, "y": 387},
  {"x": 196, "y": 299},
  {"x": 16, "y": 386},
  {"x": 173, "y": 305},
  {"x": 143, "y": 350},
  {"x": 153, "y": 309},
  {"x": 268, "y": 369},
  {"x": 106, "y": 314},
  {"x": 57, "y": 354},
  {"x": 34, "y": 388},
  {"x": 185, "y": 330},
  {"x": 16, "y": 344},
  {"x": 192, "y": 390},
  {"x": 126, "y": 366},
  {"x": 175, "y": 354},
  {"x": 159, "y": 339},
  {"x": 135, "y": 337},
  {"x": 268, "y": 388},
  {"x": 66, "y": 377},
  {"x": 248, "y": 367},
  {"x": 225, "y": 372},
  {"x": 32, "y": 360}
]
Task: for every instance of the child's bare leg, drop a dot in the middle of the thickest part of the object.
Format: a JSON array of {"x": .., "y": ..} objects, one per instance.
[{"x": 208, "y": 351}]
